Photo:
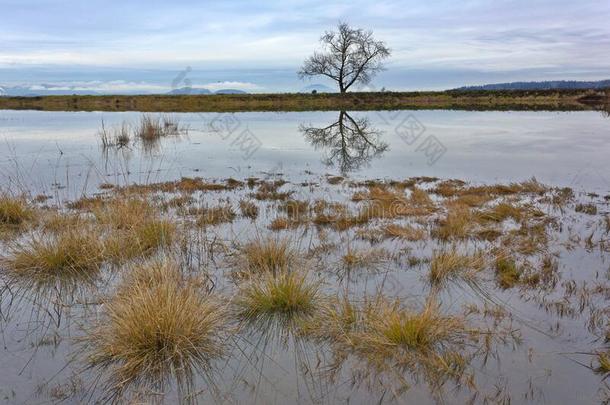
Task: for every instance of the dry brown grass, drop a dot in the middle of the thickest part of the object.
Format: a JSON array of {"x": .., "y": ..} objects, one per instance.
[
  {"x": 67, "y": 258},
  {"x": 269, "y": 190},
  {"x": 457, "y": 224},
  {"x": 451, "y": 265},
  {"x": 284, "y": 296},
  {"x": 390, "y": 203},
  {"x": 141, "y": 240},
  {"x": 405, "y": 232},
  {"x": 588, "y": 208},
  {"x": 363, "y": 258},
  {"x": 14, "y": 212},
  {"x": 123, "y": 212},
  {"x": 216, "y": 215},
  {"x": 501, "y": 212},
  {"x": 248, "y": 209},
  {"x": 159, "y": 328},
  {"x": 282, "y": 223},
  {"x": 266, "y": 255},
  {"x": 603, "y": 363},
  {"x": 507, "y": 272},
  {"x": 391, "y": 338}
]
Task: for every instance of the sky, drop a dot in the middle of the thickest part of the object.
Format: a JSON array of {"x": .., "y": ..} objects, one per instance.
[{"x": 257, "y": 46}]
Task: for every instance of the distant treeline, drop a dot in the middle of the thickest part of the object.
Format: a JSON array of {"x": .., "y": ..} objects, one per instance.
[{"x": 547, "y": 85}]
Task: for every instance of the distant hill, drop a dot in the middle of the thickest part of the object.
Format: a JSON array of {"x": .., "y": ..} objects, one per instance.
[
  {"x": 189, "y": 90},
  {"x": 230, "y": 91},
  {"x": 548, "y": 85},
  {"x": 320, "y": 88}
]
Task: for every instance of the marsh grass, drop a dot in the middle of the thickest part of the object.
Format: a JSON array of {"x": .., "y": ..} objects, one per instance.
[
  {"x": 158, "y": 329},
  {"x": 142, "y": 239},
  {"x": 59, "y": 260},
  {"x": 507, "y": 272},
  {"x": 451, "y": 265},
  {"x": 248, "y": 209},
  {"x": 265, "y": 255},
  {"x": 457, "y": 224},
  {"x": 216, "y": 215},
  {"x": 392, "y": 339},
  {"x": 14, "y": 212},
  {"x": 588, "y": 208},
  {"x": 269, "y": 190},
  {"x": 603, "y": 363},
  {"x": 405, "y": 232},
  {"x": 501, "y": 212},
  {"x": 287, "y": 295},
  {"x": 118, "y": 136},
  {"x": 363, "y": 258},
  {"x": 383, "y": 202}
]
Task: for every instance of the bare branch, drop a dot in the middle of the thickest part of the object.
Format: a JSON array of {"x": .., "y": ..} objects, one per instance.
[{"x": 350, "y": 55}]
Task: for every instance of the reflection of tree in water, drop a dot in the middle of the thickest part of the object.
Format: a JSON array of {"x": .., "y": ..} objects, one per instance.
[{"x": 350, "y": 142}]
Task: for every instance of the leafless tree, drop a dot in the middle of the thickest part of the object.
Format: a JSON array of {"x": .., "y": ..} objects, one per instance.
[
  {"x": 350, "y": 55},
  {"x": 349, "y": 142}
]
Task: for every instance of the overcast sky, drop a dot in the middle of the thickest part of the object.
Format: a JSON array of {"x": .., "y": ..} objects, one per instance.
[{"x": 258, "y": 45}]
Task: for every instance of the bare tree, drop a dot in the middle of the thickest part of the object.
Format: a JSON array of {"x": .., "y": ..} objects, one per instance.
[
  {"x": 350, "y": 143},
  {"x": 350, "y": 55}
]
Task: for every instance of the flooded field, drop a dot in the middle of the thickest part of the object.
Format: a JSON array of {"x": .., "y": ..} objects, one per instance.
[{"x": 323, "y": 257}]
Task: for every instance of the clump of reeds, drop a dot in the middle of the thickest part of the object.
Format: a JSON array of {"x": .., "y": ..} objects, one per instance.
[
  {"x": 451, "y": 265},
  {"x": 262, "y": 255},
  {"x": 119, "y": 137},
  {"x": 589, "y": 208},
  {"x": 603, "y": 363},
  {"x": 424, "y": 330},
  {"x": 287, "y": 295},
  {"x": 387, "y": 203},
  {"x": 142, "y": 239},
  {"x": 507, "y": 272},
  {"x": 389, "y": 336},
  {"x": 69, "y": 257},
  {"x": 364, "y": 258},
  {"x": 216, "y": 215},
  {"x": 248, "y": 209},
  {"x": 134, "y": 228},
  {"x": 157, "y": 329},
  {"x": 269, "y": 190},
  {"x": 405, "y": 232},
  {"x": 501, "y": 212},
  {"x": 457, "y": 224},
  {"x": 14, "y": 211}
]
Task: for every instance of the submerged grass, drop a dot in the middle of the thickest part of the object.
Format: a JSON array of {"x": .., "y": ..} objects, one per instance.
[
  {"x": 216, "y": 215},
  {"x": 158, "y": 328}
]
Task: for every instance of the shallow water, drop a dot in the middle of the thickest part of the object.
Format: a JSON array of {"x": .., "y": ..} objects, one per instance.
[
  {"x": 46, "y": 150},
  {"x": 59, "y": 154}
]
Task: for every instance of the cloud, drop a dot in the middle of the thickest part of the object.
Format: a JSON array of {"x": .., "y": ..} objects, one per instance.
[{"x": 249, "y": 87}]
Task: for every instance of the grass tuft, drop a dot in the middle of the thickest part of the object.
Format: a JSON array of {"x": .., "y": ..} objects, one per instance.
[
  {"x": 216, "y": 215},
  {"x": 262, "y": 255},
  {"x": 451, "y": 265},
  {"x": 287, "y": 294},
  {"x": 14, "y": 211},
  {"x": 44, "y": 260},
  {"x": 158, "y": 328}
]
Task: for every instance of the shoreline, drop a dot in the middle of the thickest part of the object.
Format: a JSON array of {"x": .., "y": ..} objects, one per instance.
[{"x": 538, "y": 100}]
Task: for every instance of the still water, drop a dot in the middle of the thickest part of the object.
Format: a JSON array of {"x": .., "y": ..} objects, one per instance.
[
  {"x": 62, "y": 149},
  {"x": 544, "y": 335}
]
